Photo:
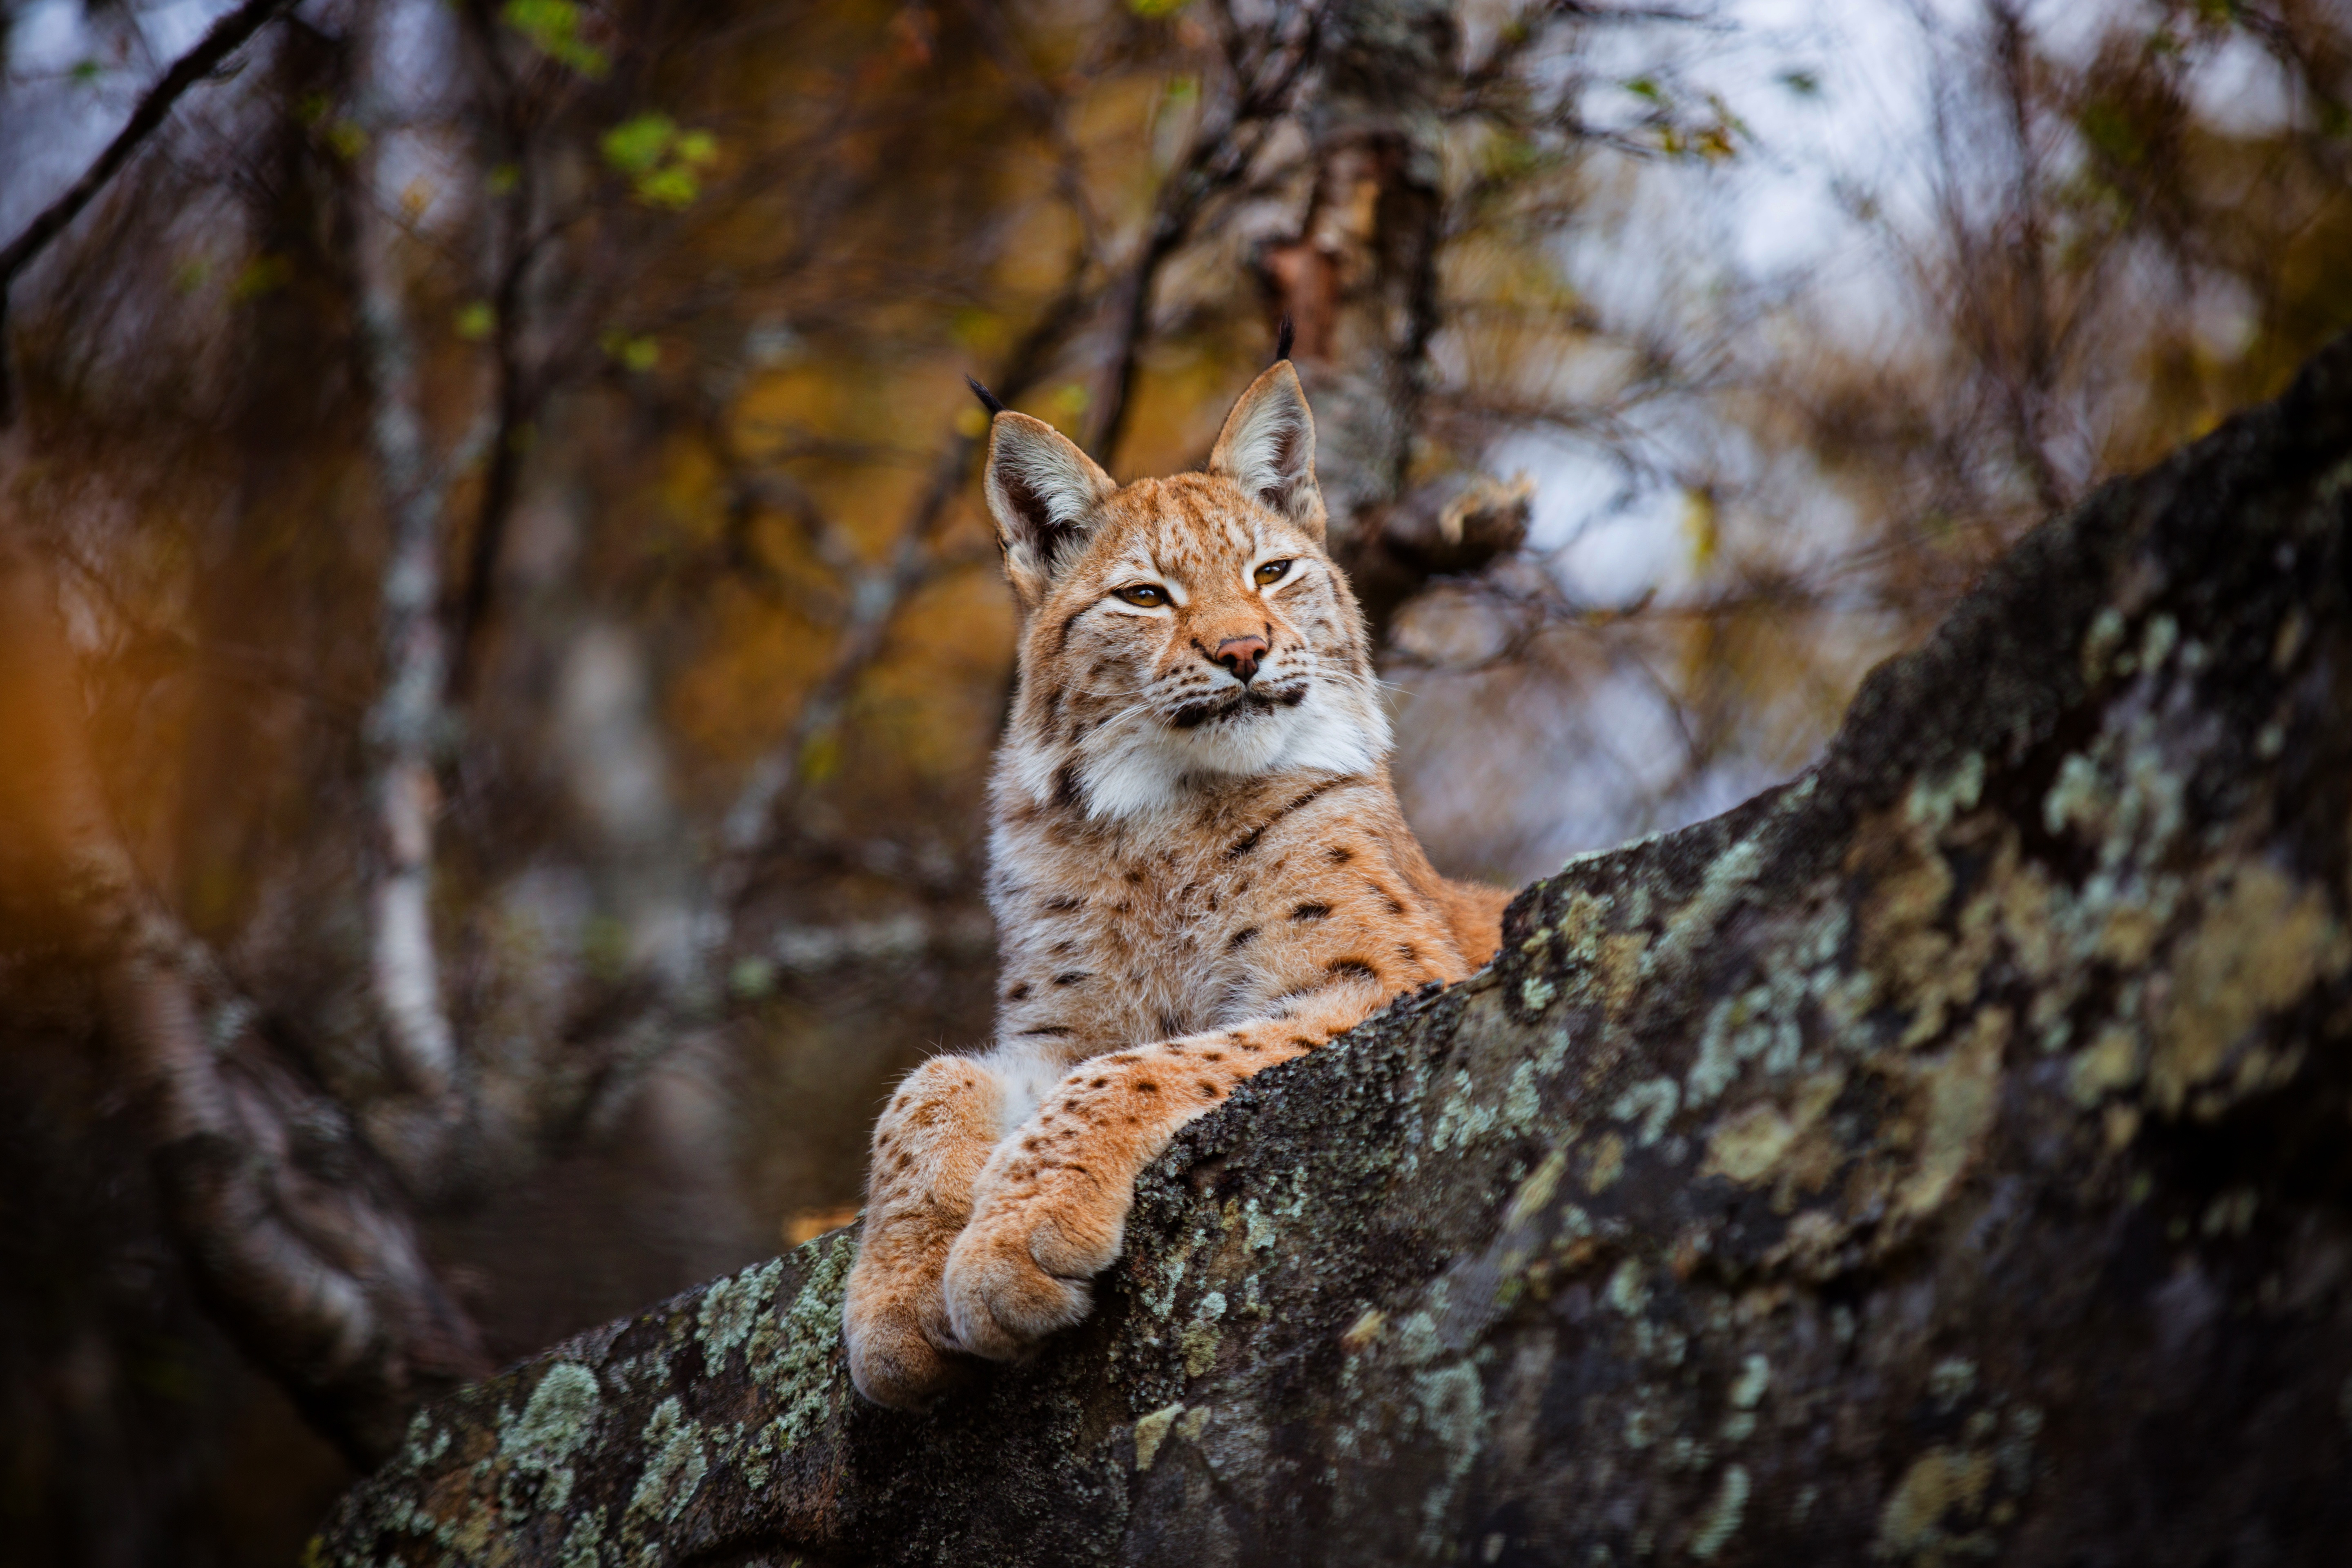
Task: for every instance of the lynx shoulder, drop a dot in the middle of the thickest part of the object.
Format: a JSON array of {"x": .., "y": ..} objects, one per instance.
[{"x": 1198, "y": 868}]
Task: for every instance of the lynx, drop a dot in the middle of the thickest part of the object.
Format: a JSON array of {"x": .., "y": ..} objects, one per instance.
[{"x": 1198, "y": 870}]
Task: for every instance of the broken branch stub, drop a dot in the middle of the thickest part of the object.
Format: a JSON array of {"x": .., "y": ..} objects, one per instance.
[{"x": 1942, "y": 1157}]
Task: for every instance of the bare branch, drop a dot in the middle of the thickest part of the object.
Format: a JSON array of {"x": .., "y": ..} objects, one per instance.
[
  {"x": 226, "y": 37},
  {"x": 874, "y": 605},
  {"x": 1222, "y": 151}
]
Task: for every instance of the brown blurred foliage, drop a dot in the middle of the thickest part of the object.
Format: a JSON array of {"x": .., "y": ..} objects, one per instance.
[{"x": 503, "y": 642}]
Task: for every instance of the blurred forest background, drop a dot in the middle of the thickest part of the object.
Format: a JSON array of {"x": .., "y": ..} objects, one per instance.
[{"x": 499, "y": 643}]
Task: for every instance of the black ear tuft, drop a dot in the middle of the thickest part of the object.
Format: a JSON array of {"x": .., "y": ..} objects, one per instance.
[
  {"x": 988, "y": 399},
  {"x": 1282, "y": 339}
]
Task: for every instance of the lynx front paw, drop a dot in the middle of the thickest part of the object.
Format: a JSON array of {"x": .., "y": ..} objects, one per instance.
[
  {"x": 892, "y": 1359},
  {"x": 1019, "y": 1271}
]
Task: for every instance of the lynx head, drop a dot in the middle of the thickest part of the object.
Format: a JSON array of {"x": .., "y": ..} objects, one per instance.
[{"x": 1177, "y": 630}]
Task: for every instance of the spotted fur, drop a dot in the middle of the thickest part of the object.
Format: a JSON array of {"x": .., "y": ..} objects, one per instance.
[{"x": 1195, "y": 876}]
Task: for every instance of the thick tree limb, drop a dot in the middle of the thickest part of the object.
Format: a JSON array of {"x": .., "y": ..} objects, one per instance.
[
  {"x": 1942, "y": 1157},
  {"x": 225, "y": 37}
]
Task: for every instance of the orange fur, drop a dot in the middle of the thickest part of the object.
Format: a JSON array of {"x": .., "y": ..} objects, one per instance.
[{"x": 1194, "y": 876}]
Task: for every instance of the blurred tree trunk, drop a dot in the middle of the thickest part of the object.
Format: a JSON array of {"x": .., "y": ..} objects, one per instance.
[
  {"x": 1942, "y": 1157},
  {"x": 298, "y": 1237}
]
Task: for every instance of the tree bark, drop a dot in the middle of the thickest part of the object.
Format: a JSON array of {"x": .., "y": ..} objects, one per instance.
[{"x": 1943, "y": 1157}]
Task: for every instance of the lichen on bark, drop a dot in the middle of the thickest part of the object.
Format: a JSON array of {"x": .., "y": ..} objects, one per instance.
[{"x": 1943, "y": 1157}]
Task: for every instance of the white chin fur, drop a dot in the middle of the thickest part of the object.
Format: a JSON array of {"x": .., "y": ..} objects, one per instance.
[{"x": 1144, "y": 766}]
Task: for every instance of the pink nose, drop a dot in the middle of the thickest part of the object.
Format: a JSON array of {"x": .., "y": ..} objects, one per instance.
[{"x": 1240, "y": 655}]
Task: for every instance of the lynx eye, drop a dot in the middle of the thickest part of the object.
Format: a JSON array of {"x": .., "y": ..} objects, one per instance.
[
  {"x": 1270, "y": 573},
  {"x": 1145, "y": 595}
]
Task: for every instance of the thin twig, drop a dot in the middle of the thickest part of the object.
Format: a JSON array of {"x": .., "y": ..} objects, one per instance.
[
  {"x": 874, "y": 607},
  {"x": 1222, "y": 151},
  {"x": 226, "y": 37}
]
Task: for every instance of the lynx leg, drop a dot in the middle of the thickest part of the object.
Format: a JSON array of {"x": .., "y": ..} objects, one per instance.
[
  {"x": 1050, "y": 1209},
  {"x": 929, "y": 1148}
]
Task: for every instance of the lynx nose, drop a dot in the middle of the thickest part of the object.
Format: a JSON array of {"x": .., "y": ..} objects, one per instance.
[{"x": 1240, "y": 655}]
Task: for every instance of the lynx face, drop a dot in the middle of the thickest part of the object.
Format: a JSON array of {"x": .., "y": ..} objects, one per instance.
[{"x": 1184, "y": 628}]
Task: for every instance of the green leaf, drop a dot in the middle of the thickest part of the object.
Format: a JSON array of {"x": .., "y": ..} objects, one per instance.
[
  {"x": 636, "y": 145},
  {"x": 554, "y": 28},
  {"x": 477, "y": 321},
  {"x": 1803, "y": 83},
  {"x": 637, "y": 354},
  {"x": 673, "y": 186},
  {"x": 1646, "y": 88},
  {"x": 1155, "y": 10}
]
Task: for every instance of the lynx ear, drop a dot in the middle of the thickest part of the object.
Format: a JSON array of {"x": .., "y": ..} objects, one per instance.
[
  {"x": 1043, "y": 493},
  {"x": 1267, "y": 447}
]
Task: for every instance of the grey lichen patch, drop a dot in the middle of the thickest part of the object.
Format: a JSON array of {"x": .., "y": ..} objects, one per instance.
[
  {"x": 1452, "y": 1403},
  {"x": 1160, "y": 1291},
  {"x": 1652, "y": 1103},
  {"x": 1760, "y": 1023},
  {"x": 1932, "y": 803},
  {"x": 1727, "y": 881},
  {"x": 1627, "y": 1291},
  {"x": 1198, "y": 1343},
  {"x": 556, "y": 1420},
  {"x": 2100, "y": 647},
  {"x": 794, "y": 1354},
  {"x": 584, "y": 1543},
  {"x": 542, "y": 1439},
  {"x": 675, "y": 1465},
  {"x": 1951, "y": 1380},
  {"x": 1465, "y": 1116},
  {"x": 1721, "y": 1520},
  {"x": 1755, "y": 1377},
  {"x": 426, "y": 1442},
  {"x": 1461, "y": 1120},
  {"x": 730, "y": 1307}
]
